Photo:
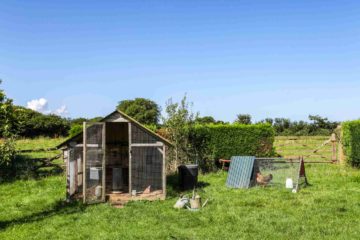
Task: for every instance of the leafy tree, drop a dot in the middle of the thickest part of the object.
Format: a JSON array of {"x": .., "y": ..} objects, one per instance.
[
  {"x": 205, "y": 120},
  {"x": 77, "y": 124},
  {"x": 243, "y": 119},
  {"x": 7, "y": 146},
  {"x": 32, "y": 124},
  {"x": 178, "y": 122},
  {"x": 143, "y": 110}
]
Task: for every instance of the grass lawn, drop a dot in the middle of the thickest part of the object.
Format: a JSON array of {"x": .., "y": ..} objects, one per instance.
[
  {"x": 295, "y": 146},
  {"x": 329, "y": 209}
]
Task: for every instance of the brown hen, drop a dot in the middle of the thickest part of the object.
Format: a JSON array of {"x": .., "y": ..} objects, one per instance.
[{"x": 263, "y": 180}]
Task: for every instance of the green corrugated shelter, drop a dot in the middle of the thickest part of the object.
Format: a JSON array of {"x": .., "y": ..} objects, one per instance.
[{"x": 240, "y": 171}]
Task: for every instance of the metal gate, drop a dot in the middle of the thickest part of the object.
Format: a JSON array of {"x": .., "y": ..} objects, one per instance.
[{"x": 94, "y": 162}]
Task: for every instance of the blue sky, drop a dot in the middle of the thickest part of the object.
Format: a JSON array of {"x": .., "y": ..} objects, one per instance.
[{"x": 265, "y": 58}]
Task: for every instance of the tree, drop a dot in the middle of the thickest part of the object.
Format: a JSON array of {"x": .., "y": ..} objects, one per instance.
[
  {"x": 143, "y": 110},
  {"x": 243, "y": 118},
  {"x": 7, "y": 146},
  {"x": 205, "y": 120},
  {"x": 32, "y": 124},
  {"x": 178, "y": 122}
]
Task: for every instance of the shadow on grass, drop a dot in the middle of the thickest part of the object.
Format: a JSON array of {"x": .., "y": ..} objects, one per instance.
[
  {"x": 24, "y": 168},
  {"x": 173, "y": 186},
  {"x": 59, "y": 208}
]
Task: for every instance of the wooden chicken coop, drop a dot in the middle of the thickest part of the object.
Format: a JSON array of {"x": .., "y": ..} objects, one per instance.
[{"x": 116, "y": 159}]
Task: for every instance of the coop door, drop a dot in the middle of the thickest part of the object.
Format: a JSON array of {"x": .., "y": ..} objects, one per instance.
[{"x": 94, "y": 162}]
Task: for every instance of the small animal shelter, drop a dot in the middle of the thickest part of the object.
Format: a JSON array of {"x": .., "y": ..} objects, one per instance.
[
  {"x": 116, "y": 159},
  {"x": 249, "y": 171}
]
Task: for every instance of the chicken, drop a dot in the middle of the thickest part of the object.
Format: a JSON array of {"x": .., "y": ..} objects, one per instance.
[{"x": 263, "y": 180}]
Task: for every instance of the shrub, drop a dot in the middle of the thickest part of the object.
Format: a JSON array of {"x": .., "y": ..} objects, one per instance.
[
  {"x": 351, "y": 142},
  {"x": 75, "y": 129},
  {"x": 33, "y": 124},
  {"x": 7, "y": 158},
  {"x": 214, "y": 141},
  {"x": 143, "y": 110}
]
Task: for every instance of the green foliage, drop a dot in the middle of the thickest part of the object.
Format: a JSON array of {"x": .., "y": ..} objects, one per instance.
[
  {"x": 7, "y": 145},
  {"x": 77, "y": 124},
  {"x": 7, "y": 159},
  {"x": 7, "y": 116},
  {"x": 243, "y": 119},
  {"x": 351, "y": 142},
  {"x": 178, "y": 123},
  {"x": 75, "y": 130},
  {"x": 143, "y": 110},
  {"x": 317, "y": 126},
  {"x": 207, "y": 120},
  {"x": 152, "y": 127},
  {"x": 33, "y": 124},
  {"x": 214, "y": 141}
]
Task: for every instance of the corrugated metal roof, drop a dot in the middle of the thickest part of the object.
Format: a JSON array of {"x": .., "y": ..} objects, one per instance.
[{"x": 240, "y": 170}]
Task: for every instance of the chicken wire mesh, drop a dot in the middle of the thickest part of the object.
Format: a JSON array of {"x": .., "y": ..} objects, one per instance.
[
  {"x": 274, "y": 172},
  {"x": 138, "y": 135},
  {"x": 94, "y": 169},
  {"x": 146, "y": 168}
]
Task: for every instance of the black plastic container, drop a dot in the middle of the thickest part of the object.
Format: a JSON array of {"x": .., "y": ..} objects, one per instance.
[{"x": 188, "y": 176}]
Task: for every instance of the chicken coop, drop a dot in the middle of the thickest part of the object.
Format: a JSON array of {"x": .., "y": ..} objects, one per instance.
[
  {"x": 116, "y": 159},
  {"x": 249, "y": 171}
]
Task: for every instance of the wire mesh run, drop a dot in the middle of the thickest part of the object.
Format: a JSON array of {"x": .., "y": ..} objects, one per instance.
[
  {"x": 276, "y": 172},
  {"x": 146, "y": 168},
  {"x": 94, "y": 163},
  {"x": 138, "y": 135}
]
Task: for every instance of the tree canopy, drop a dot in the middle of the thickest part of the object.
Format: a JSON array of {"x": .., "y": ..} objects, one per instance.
[
  {"x": 143, "y": 110},
  {"x": 243, "y": 119}
]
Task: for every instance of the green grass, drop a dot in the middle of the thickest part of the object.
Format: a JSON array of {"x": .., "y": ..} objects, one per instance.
[
  {"x": 329, "y": 209},
  {"x": 293, "y": 147},
  {"x": 36, "y": 143}
]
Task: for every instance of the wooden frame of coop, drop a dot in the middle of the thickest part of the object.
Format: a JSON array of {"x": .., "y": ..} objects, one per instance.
[{"x": 116, "y": 160}]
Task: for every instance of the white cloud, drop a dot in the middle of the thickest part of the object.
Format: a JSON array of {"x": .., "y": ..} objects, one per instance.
[
  {"x": 39, "y": 105},
  {"x": 61, "y": 111}
]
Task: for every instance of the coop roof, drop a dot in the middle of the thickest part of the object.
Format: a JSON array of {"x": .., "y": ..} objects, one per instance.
[{"x": 128, "y": 118}]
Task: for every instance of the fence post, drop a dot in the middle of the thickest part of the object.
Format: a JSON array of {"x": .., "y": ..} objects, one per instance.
[{"x": 333, "y": 143}]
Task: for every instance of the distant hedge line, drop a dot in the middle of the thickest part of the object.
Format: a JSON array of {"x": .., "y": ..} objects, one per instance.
[
  {"x": 351, "y": 142},
  {"x": 214, "y": 141}
]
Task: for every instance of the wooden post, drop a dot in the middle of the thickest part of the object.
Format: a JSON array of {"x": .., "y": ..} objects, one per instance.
[
  {"x": 84, "y": 162},
  {"x": 333, "y": 143},
  {"x": 164, "y": 171},
  {"x": 130, "y": 158},
  {"x": 67, "y": 174},
  {"x": 103, "y": 160}
]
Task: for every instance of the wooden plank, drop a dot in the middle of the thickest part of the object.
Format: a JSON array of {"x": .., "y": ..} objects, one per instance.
[
  {"x": 158, "y": 144},
  {"x": 84, "y": 162},
  {"x": 67, "y": 175},
  {"x": 103, "y": 160},
  {"x": 130, "y": 157},
  {"x": 88, "y": 145},
  {"x": 164, "y": 172}
]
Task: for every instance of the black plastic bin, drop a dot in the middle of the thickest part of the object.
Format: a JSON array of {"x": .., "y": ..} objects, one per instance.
[{"x": 188, "y": 176}]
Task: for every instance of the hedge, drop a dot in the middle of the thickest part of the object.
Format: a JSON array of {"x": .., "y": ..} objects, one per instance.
[
  {"x": 215, "y": 141},
  {"x": 351, "y": 142}
]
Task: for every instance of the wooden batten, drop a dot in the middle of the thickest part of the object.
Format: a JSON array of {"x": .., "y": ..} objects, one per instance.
[{"x": 130, "y": 158}]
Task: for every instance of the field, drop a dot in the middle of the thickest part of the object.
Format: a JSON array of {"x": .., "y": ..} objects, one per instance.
[
  {"x": 295, "y": 146},
  {"x": 328, "y": 209}
]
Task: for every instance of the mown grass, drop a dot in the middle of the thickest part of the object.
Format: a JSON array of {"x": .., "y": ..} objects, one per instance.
[
  {"x": 295, "y": 146},
  {"x": 328, "y": 209},
  {"x": 36, "y": 143}
]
